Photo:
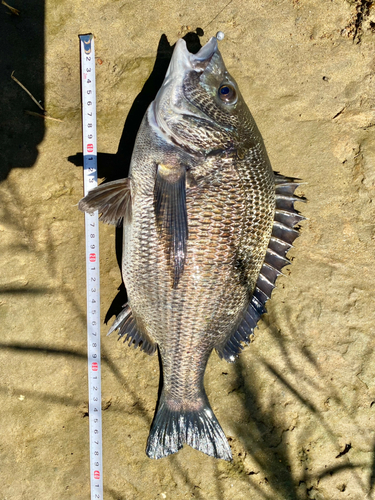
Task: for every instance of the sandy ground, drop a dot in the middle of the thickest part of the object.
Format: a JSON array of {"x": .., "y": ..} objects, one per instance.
[{"x": 299, "y": 405}]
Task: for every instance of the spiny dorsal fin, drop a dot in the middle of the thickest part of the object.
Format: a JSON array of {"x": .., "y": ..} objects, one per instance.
[
  {"x": 283, "y": 234},
  {"x": 171, "y": 215},
  {"x": 126, "y": 324},
  {"x": 111, "y": 199}
]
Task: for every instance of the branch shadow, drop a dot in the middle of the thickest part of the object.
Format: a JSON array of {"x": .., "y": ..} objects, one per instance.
[
  {"x": 324, "y": 387},
  {"x": 40, "y": 349},
  {"x": 258, "y": 432},
  {"x": 260, "y": 440}
]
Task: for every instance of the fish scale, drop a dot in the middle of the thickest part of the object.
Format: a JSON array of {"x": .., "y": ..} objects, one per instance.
[
  {"x": 185, "y": 369},
  {"x": 205, "y": 237},
  {"x": 183, "y": 374}
]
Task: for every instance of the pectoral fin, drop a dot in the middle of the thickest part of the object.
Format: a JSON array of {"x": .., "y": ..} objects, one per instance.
[
  {"x": 171, "y": 215},
  {"x": 111, "y": 199}
]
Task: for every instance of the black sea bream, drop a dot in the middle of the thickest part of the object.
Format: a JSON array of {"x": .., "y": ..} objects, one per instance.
[{"x": 207, "y": 225}]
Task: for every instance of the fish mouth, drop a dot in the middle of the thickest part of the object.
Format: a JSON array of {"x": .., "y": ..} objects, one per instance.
[
  {"x": 170, "y": 104},
  {"x": 183, "y": 60}
]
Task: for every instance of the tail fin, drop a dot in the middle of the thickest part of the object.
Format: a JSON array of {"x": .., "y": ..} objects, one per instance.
[{"x": 171, "y": 429}]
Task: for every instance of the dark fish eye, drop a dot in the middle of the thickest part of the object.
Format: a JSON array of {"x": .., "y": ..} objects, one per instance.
[{"x": 227, "y": 93}]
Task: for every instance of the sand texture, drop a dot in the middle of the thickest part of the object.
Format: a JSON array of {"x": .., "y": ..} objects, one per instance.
[{"x": 298, "y": 406}]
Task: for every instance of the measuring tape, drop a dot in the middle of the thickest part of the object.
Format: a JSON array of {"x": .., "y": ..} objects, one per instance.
[{"x": 90, "y": 180}]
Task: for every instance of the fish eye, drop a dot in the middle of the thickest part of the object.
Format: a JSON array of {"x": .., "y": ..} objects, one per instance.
[{"x": 227, "y": 93}]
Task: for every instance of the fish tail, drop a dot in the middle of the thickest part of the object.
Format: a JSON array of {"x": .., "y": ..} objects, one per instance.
[{"x": 198, "y": 427}]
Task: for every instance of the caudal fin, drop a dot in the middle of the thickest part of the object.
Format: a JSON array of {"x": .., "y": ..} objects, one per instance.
[{"x": 199, "y": 429}]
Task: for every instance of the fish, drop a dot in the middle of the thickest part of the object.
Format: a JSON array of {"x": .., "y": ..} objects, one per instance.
[{"x": 207, "y": 225}]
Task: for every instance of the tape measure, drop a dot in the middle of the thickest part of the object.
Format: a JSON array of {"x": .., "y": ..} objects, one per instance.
[{"x": 90, "y": 180}]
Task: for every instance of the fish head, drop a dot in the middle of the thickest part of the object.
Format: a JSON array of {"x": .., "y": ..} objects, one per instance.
[{"x": 199, "y": 106}]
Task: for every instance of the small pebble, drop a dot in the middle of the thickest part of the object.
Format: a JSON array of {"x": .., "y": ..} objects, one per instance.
[{"x": 220, "y": 35}]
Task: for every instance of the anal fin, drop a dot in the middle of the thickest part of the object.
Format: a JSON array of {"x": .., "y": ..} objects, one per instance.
[
  {"x": 126, "y": 324},
  {"x": 171, "y": 215},
  {"x": 111, "y": 199},
  {"x": 243, "y": 333}
]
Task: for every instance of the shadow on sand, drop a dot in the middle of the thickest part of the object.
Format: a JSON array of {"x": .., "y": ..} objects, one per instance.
[
  {"x": 21, "y": 52},
  {"x": 262, "y": 432}
]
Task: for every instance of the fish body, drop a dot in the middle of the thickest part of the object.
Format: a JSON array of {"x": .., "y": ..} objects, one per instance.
[{"x": 200, "y": 210}]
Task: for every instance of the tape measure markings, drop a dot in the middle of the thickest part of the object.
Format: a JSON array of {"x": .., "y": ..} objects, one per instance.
[{"x": 90, "y": 177}]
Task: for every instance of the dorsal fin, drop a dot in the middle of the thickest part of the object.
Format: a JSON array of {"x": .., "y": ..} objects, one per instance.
[
  {"x": 283, "y": 234},
  {"x": 126, "y": 324},
  {"x": 111, "y": 199}
]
